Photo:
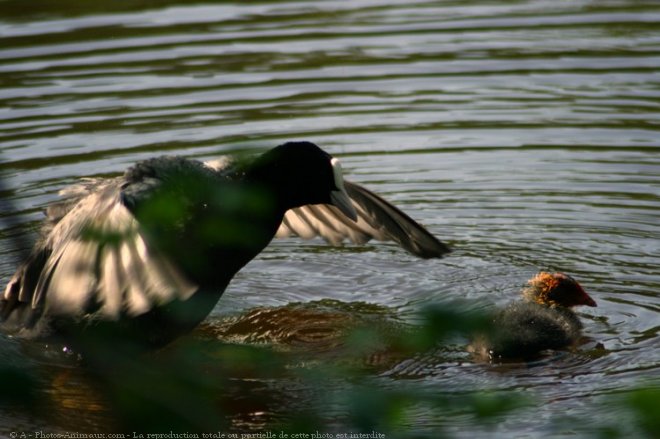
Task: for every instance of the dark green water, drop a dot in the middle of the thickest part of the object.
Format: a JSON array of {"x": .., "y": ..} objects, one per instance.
[{"x": 524, "y": 133}]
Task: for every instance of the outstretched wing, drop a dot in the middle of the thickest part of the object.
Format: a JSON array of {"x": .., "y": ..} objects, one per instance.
[
  {"x": 377, "y": 219},
  {"x": 94, "y": 260}
]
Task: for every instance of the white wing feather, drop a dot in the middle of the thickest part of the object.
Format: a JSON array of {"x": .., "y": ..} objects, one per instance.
[{"x": 99, "y": 262}]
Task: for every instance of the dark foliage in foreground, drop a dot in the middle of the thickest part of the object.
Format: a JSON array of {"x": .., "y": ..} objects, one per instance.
[{"x": 206, "y": 385}]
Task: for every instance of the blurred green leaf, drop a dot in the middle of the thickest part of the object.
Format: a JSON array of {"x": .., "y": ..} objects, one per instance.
[
  {"x": 487, "y": 404},
  {"x": 18, "y": 387},
  {"x": 645, "y": 404}
]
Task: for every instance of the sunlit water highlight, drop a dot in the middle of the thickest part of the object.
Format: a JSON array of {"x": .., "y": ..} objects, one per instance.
[{"x": 524, "y": 134}]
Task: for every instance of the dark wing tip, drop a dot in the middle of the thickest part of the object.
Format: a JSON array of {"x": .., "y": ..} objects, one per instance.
[
  {"x": 397, "y": 225},
  {"x": 377, "y": 219}
]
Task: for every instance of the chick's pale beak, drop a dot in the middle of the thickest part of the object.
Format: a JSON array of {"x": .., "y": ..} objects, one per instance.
[{"x": 339, "y": 197}]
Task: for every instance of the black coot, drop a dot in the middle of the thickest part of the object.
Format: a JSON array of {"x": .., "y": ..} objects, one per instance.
[{"x": 145, "y": 256}]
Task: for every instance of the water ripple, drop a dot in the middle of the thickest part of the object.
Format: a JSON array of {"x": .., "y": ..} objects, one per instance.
[{"x": 525, "y": 134}]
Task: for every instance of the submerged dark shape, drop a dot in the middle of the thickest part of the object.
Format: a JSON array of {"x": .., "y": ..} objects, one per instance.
[
  {"x": 145, "y": 256},
  {"x": 543, "y": 320}
]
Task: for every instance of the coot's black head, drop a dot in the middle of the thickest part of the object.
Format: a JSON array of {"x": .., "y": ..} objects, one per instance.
[
  {"x": 300, "y": 173},
  {"x": 556, "y": 289}
]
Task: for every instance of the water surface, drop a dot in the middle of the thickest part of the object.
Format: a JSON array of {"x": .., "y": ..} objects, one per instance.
[{"x": 525, "y": 134}]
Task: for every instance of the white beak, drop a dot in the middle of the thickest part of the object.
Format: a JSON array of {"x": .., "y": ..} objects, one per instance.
[{"x": 339, "y": 197}]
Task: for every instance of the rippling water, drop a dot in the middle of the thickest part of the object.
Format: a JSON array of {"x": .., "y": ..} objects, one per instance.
[{"x": 525, "y": 134}]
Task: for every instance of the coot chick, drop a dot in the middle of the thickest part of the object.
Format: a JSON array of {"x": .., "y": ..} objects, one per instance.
[
  {"x": 144, "y": 257},
  {"x": 542, "y": 320}
]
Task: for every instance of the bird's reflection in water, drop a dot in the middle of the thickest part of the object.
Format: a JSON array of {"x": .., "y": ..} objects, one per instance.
[
  {"x": 316, "y": 332},
  {"x": 231, "y": 373}
]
